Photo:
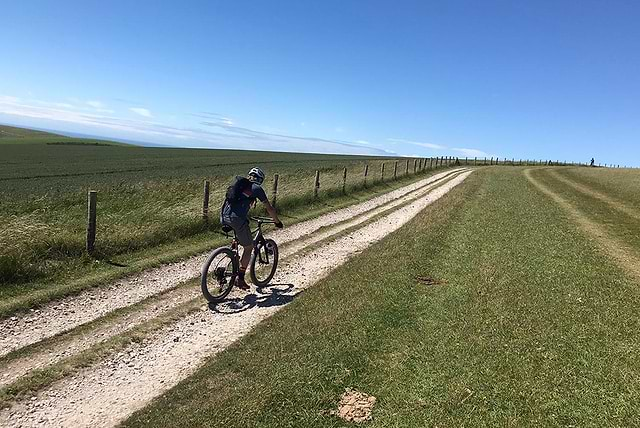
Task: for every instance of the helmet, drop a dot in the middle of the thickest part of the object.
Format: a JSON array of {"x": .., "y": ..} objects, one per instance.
[{"x": 257, "y": 174}]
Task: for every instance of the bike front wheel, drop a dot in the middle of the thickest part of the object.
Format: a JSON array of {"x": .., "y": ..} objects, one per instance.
[
  {"x": 264, "y": 262},
  {"x": 219, "y": 274}
]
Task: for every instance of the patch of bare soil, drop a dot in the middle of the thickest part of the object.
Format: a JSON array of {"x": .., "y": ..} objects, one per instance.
[
  {"x": 427, "y": 280},
  {"x": 355, "y": 406}
]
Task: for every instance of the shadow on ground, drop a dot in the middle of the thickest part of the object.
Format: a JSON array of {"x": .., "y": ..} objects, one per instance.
[{"x": 262, "y": 297}]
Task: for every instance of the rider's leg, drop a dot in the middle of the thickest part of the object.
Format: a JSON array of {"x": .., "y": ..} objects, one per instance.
[
  {"x": 246, "y": 256},
  {"x": 243, "y": 235}
]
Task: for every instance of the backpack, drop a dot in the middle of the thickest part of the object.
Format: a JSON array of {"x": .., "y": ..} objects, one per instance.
[{"x": 239, "y": 186}]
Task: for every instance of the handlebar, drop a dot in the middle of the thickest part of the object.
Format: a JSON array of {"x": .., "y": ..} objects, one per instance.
[{"x": 263, "y": 219}]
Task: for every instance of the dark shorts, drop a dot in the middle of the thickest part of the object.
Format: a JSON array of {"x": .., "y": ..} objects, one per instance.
[{"x": 241, "y": 228}]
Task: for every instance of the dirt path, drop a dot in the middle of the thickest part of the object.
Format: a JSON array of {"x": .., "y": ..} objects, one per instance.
[
  {"x": 625, "y": 256},
  {"x": 107, "y": 393},
  {"x": 72, "y": 343},
  {"x": 620, "y": 206},
  {"x": 66, "y": 314}
]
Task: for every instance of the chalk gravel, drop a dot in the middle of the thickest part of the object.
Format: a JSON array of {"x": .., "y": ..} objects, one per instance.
[
  {"x": 107, "y": 393},
  {"x": 66, "y": 314},
  {"x": 68, "y": 345}
]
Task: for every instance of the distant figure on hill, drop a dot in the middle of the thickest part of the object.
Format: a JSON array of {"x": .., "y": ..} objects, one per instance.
[{"x": 593, "y": 162}]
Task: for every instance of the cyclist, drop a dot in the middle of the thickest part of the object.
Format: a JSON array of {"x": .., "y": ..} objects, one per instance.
[{"x": 240, "y": 197}]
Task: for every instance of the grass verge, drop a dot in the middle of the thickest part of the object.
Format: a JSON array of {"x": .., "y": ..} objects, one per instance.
[{"x": 528, "y": 326}]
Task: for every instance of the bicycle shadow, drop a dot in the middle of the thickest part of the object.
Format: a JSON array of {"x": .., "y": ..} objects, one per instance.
[{"x": 262, "y": 297}]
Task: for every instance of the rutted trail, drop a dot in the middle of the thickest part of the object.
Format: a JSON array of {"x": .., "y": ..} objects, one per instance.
[
  {"x": 107, "y": 393},
  {"x": 72, "y": 343},
  {"x": 57, "y": 317},
  {"x": 620, "y": 206},
  {"x": 625, "y": 256}
]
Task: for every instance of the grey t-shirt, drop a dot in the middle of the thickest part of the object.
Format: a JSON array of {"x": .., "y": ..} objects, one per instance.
[{"x": 241, "y": 208}]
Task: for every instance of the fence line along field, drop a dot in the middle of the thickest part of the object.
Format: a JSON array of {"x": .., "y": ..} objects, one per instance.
[
  {"x": 150, "y": 197},
  {"x": 145, "y": 196}
]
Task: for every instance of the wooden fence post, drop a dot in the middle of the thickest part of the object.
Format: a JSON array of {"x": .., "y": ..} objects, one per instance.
[
  {"x": 430, "y": 163},
  {"x": 415, "y": 165},
  {"x": 475, "y": 161},
  {"x": 420, "y": 164},
  {"x": 382, "y": 172},
  {"x": 406, "y": 170},
  {"x": 274, "y": 193},
  {"x": 485, "y": 161},
  {"x": 344, "y": 181},
  {"x": 491, "y": 161},
  {"x": 91, "y": 221},
  {"x": 205, "y": 202},
  {"x": 395, "y": 170},
  {"x": 366, "y": 172},
  {"x": 316, "y": 184}
]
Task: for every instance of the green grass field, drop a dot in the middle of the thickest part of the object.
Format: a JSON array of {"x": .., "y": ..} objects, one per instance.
[
  {"x": 149, "y": 203},
  {"x": 534, "y": 322}
]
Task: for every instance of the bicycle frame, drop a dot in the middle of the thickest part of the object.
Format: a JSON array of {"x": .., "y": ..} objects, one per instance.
[{"x": 258, "y": 239}]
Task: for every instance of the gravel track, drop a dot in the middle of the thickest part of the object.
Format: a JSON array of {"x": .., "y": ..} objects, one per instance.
[
  {"x": 69, "y": 344},
  {"x": 107, "y": 393},
  {"x": 68, "y": 313}
]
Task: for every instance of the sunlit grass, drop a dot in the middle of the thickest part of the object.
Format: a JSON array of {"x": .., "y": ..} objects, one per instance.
[{"x": 530, "y": 325}]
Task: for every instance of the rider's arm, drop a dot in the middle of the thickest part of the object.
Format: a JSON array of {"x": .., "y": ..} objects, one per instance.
[{"x": 271, "y": 211}]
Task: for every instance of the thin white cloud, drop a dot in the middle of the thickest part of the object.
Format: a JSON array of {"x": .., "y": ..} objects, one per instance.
[
  {"x": 417, "y": 143},
  {"x": 9, "y": 99},
  {"x": 141, "y": 111},
  {"x": 470, "y": 152},
  {"x": 219, "y": 135},
  {"x": 96, "y": 104}
]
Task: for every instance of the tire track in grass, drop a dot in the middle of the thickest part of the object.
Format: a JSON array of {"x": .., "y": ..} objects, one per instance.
[
  {"x": 620, "y": 206},
  {"x": 625, "y": 256},
  {"x": 106, "y": 393},
  {"x": 66, "y": 345}
]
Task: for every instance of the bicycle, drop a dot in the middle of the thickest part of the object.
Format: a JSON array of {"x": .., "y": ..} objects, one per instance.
[{"x": 221, "y": 269}]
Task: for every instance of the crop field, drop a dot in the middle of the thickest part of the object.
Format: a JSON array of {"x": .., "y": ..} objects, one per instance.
[
  {"x": 511, "y": 302},
  {"x": 147, "y": 198}
]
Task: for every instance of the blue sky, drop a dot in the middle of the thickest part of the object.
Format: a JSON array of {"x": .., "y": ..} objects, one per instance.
[{"x": 540, "y": 79}]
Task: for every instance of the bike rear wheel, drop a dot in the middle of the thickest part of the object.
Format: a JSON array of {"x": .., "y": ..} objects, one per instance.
[
  {"x": 219, "y": 274},
  {"x": 264, "y": 262}
]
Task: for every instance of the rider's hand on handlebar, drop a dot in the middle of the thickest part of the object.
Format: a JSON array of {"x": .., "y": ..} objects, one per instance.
[{"x": 279, "y": 224}]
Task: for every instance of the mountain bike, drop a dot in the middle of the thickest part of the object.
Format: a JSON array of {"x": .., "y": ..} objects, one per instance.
[{"x": 221, "y": 269}]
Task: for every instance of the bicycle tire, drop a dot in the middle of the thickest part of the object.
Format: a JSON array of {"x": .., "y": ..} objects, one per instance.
[
  {"x": 273, "y": 247},
  {"x": 206, "y": 276}
]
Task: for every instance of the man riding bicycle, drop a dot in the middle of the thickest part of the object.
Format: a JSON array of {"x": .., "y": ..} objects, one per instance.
[{"x": 240, "y": 197}]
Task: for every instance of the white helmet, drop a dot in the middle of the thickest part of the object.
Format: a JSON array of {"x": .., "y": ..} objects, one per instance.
[{"x": 257, "y": 174}]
